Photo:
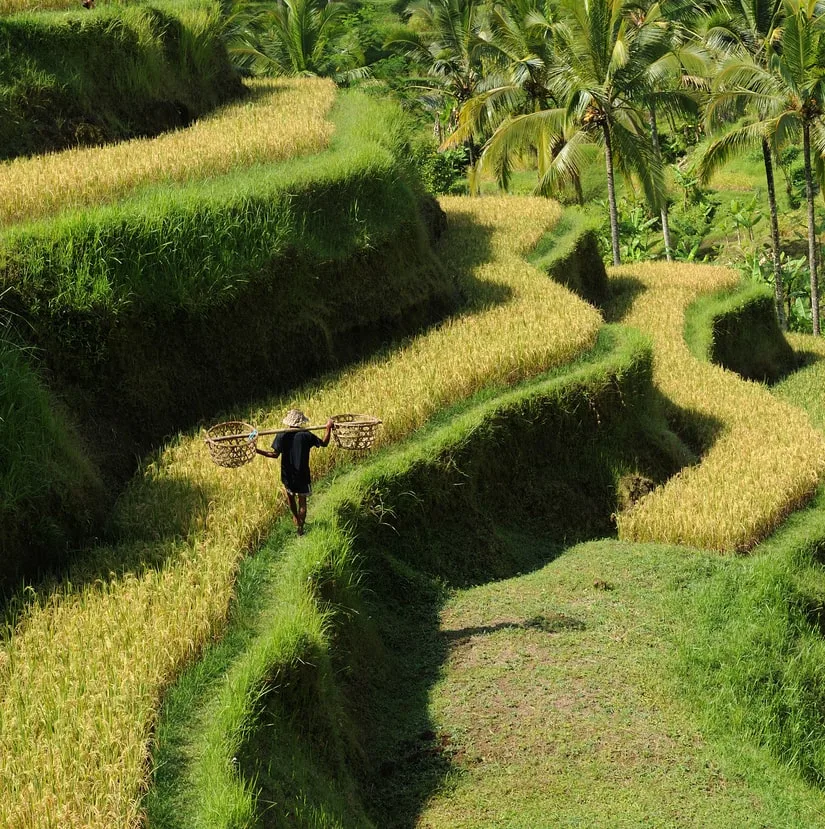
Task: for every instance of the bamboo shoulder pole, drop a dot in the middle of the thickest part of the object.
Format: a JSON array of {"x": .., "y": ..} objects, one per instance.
[{"x": 258, "y": 434}]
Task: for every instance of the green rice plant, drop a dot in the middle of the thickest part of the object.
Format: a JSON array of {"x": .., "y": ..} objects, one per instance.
[
  {"x": 76, "y": 723},
  {"x": 804, "y": 387}
]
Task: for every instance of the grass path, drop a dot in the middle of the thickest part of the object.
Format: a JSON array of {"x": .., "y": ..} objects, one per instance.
[
  {"x": 558, "y": 698},
  {"x": 83, "y": 671},
  {"x": 763, "y": 458},
  {"x": 576, "y": 724}
]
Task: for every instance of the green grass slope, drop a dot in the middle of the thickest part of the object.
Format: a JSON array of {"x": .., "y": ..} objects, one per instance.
[
  {"x": 50, "y": 494},
  {"x": 571, "y": 256},
  {"x": 86, "y": 77},
  {"x": 738, "y": 330}
]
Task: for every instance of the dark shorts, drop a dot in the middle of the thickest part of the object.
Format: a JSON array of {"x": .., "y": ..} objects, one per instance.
[{"x": 298, "y": 491}]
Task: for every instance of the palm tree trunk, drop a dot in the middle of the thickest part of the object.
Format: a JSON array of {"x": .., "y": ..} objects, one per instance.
[
  {"x": 577, "y": 186},
  {"x": 777, "y": 261},
  {"x": 809, "y": 194},
  {"x": 654, "y": 134},
  {"x": 611, "y": 194}
]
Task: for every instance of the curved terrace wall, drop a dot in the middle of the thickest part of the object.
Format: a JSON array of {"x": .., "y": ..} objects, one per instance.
[{"x": 739, "y": 330}]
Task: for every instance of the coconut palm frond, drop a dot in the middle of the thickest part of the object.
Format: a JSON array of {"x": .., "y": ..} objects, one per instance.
[{"x": 727, "y": 147}]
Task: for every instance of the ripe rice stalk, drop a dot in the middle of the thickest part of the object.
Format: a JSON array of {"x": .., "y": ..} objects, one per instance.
[
  {"x": 83, "y": 673},
  {"x": 279, "y": 120},
  {"x": 766, "y": 459}
]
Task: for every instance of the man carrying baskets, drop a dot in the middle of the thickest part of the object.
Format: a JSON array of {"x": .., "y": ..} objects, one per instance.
[{"x": 293, "y": 448}]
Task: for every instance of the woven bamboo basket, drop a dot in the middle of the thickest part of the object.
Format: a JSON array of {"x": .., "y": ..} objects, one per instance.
[
  {"x": 233, "y": 451},
  {"x": 355, "y": 432}
]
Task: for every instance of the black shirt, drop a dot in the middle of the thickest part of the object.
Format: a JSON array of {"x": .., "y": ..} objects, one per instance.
[{"x": 294, "y": 448}]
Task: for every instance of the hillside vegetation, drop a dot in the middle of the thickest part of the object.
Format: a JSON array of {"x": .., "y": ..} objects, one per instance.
[
  {"x": 306, "y": 653},
  {"x": 155, "y": 310},
  {"x": 320, "y": 689},
  {"x": 236, "y": 136},
  {"x": 86, "y": 77}
]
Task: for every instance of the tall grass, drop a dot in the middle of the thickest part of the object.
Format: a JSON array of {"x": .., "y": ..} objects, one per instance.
[
  {"x": 279, "y": 120},
  {"x": 763, "y": 457},
  {"x": 81, "y": 77},
  {"x": 82, "y": 674},
  {"x": 17, "y": 6}
]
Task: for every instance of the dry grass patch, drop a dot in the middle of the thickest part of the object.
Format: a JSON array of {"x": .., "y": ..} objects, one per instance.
[
  {"x": 281, "y": 119},
  {"x": 766, "y": 460},
  {"x": 82, "y": 675}
]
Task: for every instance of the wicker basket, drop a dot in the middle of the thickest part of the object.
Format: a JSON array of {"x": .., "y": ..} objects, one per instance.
[
  {"x": 356, "y": 432},
  {"x": 238, "y": 450}
]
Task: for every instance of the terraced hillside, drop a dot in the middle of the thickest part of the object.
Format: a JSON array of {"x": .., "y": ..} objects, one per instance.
[
  {"x": 179, "y": 554},
  {"x": 335, "y": 700},
  {"x": 149, "y": 274},
  {"x": 144, "y": 293}
]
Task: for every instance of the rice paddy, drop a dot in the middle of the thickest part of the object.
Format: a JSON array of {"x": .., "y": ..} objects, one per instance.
[
  {"x": 76, "y": 719},
  {"x": 766, "y": 459},
  {"x": 234, "y": 137}
]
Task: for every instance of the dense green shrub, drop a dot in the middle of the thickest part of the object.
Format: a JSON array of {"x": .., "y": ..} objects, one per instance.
[
  {"x": 85, "y": 77},
  {"x": 440, "y": 171},
  {"x": 571, "y": 256},
  {"x": 739, "y": 330}
]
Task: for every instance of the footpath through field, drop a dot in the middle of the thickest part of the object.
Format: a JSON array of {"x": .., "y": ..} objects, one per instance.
[
  {"x": 83, "y": 672},
  {"x": 558, "y": 708}
]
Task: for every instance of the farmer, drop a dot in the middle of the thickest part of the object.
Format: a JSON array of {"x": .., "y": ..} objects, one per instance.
[{"x": 294, "y": 447}]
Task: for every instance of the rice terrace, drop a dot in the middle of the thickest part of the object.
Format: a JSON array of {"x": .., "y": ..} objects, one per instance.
[{"x": 412, "y": 414}]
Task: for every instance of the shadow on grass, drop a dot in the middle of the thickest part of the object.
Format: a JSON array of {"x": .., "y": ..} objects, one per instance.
[
  {"x": 408, "y": 759},
  {"x": 806, "y": 359},
  {"x": 624, "y": 291}
]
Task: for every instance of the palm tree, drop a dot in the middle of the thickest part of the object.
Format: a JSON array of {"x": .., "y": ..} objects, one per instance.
[
  {"x": 448, "y": 42},
  {"x": 599, "y": 81},
  {"x": 745, "y": 30},
  {"x": 519, "y": 64},
  {"x": 784, "y": 97},
  {"x": 294, "y": 38},
  {"x": 673, "y": 76}
]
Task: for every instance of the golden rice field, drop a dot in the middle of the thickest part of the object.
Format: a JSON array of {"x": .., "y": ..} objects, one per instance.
[
  {"x": 767, "y": 459},
  {"x": 280, "y": 119},
  {"x": 83, "y": 673}
]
